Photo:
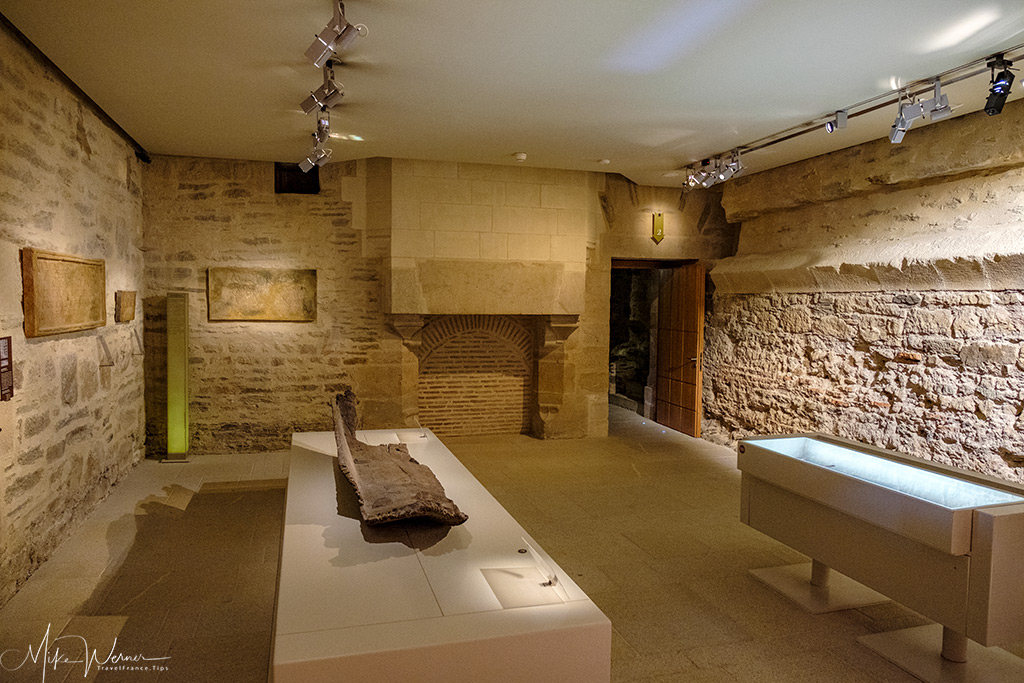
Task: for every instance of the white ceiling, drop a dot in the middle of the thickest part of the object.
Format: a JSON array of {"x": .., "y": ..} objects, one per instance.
[{"x": 651, "y": 86}]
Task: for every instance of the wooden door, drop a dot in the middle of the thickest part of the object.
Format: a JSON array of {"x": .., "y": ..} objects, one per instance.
[{"x": 680, "y": 345}]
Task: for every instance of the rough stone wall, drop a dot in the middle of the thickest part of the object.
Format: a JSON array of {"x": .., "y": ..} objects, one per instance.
[
  {"x": 937, "y": 375},
  {"x": 254, "y": 383},
  {"x": 876, "y": 295},
  {"x": 68, "y": 183}
]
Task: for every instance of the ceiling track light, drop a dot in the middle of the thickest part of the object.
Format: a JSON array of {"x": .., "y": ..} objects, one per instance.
[
  {"x": 338, "y": 34},
  {"x": 1000, "y": 85},
  {"x": 327, "y": 95},
  {"x": 936, "y": 108},
  {"x": 838, "y": 122}
]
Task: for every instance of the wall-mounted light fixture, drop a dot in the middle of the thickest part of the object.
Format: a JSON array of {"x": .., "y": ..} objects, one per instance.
[{"x": 657, "y": 227}]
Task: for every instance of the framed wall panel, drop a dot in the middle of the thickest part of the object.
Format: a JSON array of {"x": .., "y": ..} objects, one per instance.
[
  {"x": 261, "y": 294},
  {"x": 62, "y": 293}
]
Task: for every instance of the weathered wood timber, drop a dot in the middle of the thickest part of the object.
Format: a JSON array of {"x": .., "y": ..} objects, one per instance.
[{"x": 390, "y": 484}]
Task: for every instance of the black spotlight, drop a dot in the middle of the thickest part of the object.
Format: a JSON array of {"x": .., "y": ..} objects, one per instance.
[{"x": 1000, "y": 88}]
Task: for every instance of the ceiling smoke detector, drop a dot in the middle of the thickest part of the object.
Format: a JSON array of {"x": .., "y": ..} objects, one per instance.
[{"x": 520, "y": 157}]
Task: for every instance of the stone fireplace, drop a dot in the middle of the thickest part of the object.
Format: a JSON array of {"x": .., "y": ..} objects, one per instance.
[
  {"x": 484, "y": 280},
  {"x": 485, "y": 374}
]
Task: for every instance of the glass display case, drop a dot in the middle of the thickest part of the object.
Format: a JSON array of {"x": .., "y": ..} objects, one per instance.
[{"x": 945, "y": 542}]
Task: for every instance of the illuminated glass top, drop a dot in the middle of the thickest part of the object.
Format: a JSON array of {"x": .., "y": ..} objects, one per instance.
[{"x": 941, "y": 489}]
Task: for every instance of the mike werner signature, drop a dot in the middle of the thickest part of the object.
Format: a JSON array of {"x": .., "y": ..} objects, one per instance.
[{"x": 51, "y": 658}]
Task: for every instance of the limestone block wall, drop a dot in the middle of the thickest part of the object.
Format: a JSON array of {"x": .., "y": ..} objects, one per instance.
[
  {"x": 253, "y": 383},
  {"x": 876, "y": 294},
  {"x": 68, "y": 183},
  {"x": 494, "y": 240}
]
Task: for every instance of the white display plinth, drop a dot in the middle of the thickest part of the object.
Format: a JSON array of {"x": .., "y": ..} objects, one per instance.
[{"x": 412, "y": 601}]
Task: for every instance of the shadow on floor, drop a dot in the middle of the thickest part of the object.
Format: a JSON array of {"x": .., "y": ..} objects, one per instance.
[{"x": 197, "y": 587}]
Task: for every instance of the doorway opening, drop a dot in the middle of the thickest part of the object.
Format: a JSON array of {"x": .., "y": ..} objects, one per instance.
[{"x": 656, "y": 339}]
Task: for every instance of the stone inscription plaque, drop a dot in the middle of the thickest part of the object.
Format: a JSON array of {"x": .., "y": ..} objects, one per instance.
[
  {"x": 62, "y": 293},
  {"x": 124, "y": 306},
  {"x": 6, "y": 370},
  {"x": 261, "y": 294}
]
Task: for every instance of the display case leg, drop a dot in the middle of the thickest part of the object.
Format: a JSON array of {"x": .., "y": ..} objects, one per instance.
[
  {"x": 954, "y": 645},
  {"x": 916, "y": 651},
  {"x": 818, "y": 588},
  {"x": 819, "y": 574}
]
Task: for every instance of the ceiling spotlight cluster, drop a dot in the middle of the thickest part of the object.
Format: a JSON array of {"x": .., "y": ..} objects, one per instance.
[
  {"x": 718, "y": 170},
  {"x": 910, "y": 106},
  {"x": 337, "y": 35}
]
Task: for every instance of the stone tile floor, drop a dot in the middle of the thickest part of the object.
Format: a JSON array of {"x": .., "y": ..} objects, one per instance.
[{"x": 180, "y": 561}]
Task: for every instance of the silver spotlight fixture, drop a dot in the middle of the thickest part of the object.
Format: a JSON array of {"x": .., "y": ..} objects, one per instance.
[
  {"x": 726, "y": 169},
  {"x": 335, "y": 37},
  {"x": 319, "y": 155},
  {"x": 733, "y": 167},
  {"x": 327, "y": 95},
  {"x": 837, "y": 122},
  {"x": 937, "y": 108},
  {"x": 908, "y": 113},
  {"x": 710, "y": 176}
]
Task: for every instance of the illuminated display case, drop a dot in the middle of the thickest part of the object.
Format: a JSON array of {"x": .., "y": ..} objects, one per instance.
[{"x": 942, "y": 541}]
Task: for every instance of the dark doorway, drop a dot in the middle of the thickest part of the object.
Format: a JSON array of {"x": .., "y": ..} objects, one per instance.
[
  {"x": 656, "y": 334},
  {"x": 634, "y": 295}
]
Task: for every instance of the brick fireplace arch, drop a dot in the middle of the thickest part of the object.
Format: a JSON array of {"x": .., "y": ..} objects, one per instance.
[{"x": 476, "y": 375}]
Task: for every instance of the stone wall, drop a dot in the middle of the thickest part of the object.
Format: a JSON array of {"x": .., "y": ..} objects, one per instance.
[
  {"x": 70, "y": 184},
  {"x": 938, "y": 375},
  {"x": 253, "y": 383},
  {"x": 494, "y": 240},
  {"x": 876, "y": 295}
]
